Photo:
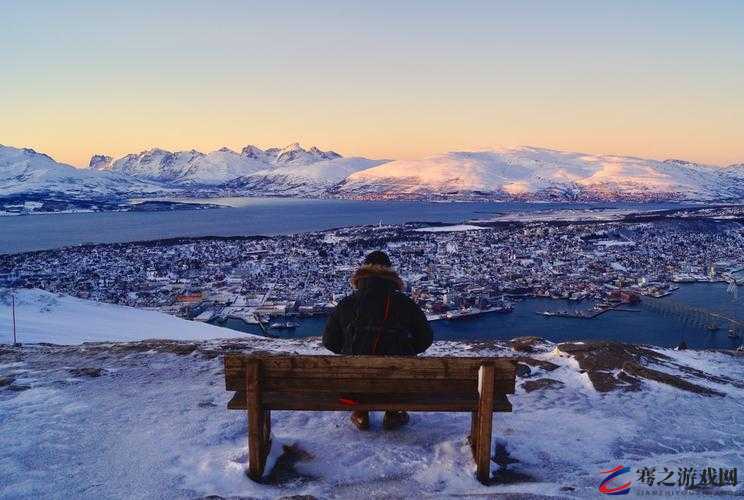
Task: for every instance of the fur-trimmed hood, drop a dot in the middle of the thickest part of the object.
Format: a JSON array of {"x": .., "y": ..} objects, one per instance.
[{"x": 377, "y": 271}]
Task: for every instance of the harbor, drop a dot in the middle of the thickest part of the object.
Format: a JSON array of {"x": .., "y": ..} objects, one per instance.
[{"x": 644, "y": 326}]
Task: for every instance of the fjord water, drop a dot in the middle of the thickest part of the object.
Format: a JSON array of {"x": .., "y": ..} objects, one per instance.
[
  {"x": 249, "y": 216},
  {"x": 272, "y": 216},
  {"x": 642, "y": 327}
]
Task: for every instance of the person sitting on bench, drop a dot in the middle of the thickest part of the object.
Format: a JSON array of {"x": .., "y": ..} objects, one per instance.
[{"x": 377, "y": 319}]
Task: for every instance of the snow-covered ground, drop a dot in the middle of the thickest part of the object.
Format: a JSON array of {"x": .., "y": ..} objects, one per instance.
[
  {"x": 58, "y": 319},
  {"x": 153, "y": 424},
  {"x": 149, "y": 420},
  {"x": 525, "y": 171},
  {"x": 447, "y": 229}
]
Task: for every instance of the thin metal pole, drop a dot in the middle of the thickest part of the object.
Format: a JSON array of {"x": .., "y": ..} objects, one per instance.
[{"x": 14, "y": 322}]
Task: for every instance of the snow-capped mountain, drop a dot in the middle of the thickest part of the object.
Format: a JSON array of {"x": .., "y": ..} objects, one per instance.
[
  {"x": 25, "y": 171},
  {"x": 210, "y": 169},
  {"x": 100, "y": 162},
  {"x": 524, "y": 173},
  {"x": 302, "y": 180},
  {"x": 536, "y": 173}
]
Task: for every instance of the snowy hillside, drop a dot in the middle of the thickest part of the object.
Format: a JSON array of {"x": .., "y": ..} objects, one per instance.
[
  {"x": 301, "y": 180},
  {"x": 45, "y": 317},
  {"x": 149, "y": 420},
  {"x": 527, "y": 172},
  {"x": 215, "y": 168},
  {"x": 522, "y": 173},
  {"x": 24, "y": 171},
  {"x": 191, "y": 167}
]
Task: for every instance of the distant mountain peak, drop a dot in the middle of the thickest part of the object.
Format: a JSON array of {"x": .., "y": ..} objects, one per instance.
[
  {"x": 100, "y": 162},
  {"x": 295, "y": 154},
  {"x": 537, "y": 173},
  {"x": 254, "y": 153},
  {"x": 524, "y": 173},
  {"x": 675, "y": 161}
]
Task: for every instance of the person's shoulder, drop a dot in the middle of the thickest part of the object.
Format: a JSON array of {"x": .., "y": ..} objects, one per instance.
[{"x": 403, "y": 297}]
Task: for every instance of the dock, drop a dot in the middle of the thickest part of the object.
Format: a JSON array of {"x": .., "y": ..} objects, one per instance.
[{"x": 585, "y": 313}]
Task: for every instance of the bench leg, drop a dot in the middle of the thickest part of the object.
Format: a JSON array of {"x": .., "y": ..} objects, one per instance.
[
  {"x": 473, "y": 438},
  {"x": 266, "y": 441},
  {"x": 484, "y": 423},
  {"x": 255, "y": 441},
  {"x": 259, "y": 425}
]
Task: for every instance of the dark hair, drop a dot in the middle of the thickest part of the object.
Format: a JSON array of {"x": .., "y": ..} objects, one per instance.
[{"x": 378, "y": 258}]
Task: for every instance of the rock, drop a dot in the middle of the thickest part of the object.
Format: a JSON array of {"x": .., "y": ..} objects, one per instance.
[
  {"x": 618, "y": 366},
  {"x": 666, "y": 378},
  {"x": 18, "y": 388},
  {"x": 505, "y": 476},
  {"x": 542, "y": 383},
  {"x": 600, "y": 360},
  {"x": 528, "y": 344},
  {"x": 86, "y": 372},
  {"x": 538, "y": 363},
  {"x": 284, "y": 470},
  {"x": 6, "y": 381},
  {"x": 501, "y": 456},
  {"x": 606, "y": 355},
  {"x": 631, "y": 383},
  {"x": 523, "y": 371}
]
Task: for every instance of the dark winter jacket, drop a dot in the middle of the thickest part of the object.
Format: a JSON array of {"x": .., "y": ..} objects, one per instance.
[{"x": 377, "y": 287}]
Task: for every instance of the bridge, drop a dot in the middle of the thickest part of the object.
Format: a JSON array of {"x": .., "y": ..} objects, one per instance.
[{"x": 694, "y": 316}]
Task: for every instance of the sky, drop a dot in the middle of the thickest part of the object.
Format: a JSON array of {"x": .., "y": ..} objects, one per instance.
[{"x": 382, "y": 79}]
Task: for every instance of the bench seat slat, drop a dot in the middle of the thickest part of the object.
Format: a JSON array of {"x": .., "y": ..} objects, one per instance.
[
  {"x": 381, "y": 385},
  {"x": 367, "y": 367},
  {"x": 376, "y": 368},
  {"x": 330, "y": 401},
  {"x": 411, "y": 386}
]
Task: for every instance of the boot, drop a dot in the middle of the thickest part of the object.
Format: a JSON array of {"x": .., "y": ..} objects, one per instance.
[
  {"x": 360, "y": 419},
  {"x": 394, "y": 419}
]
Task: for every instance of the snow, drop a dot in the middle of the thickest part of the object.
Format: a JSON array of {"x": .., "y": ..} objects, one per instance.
[
  {"x": 522, "y": 172},
  {"x": 528, "y": 170},
  {"x": 45, "y": 317},
  {"x": 614, "y": 243},
  {"x": 326, "y": 171},
  {"x": 25, "y": 171},
  {"x": 154, "y": 425},
  {"x": 447, "y": 229},
  {"x": 220, "y": 166},
  {"x": 302, "y": 180}
]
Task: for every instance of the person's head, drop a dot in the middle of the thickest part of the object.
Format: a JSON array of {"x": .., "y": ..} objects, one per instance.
[
  {"x": 377, "y": 258},
  {"x": 376, "y": 268}
]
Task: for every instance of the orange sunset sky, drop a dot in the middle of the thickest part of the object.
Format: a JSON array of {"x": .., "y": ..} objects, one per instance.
[{"x": 378, "y": 79}]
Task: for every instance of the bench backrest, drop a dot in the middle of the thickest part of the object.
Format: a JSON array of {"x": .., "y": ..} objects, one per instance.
[{"x": 295, "y": 381}]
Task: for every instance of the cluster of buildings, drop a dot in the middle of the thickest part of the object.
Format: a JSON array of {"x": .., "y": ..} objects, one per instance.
[{"x": 450, "y": 273}]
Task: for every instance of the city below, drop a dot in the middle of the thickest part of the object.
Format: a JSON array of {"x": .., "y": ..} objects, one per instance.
[{"x": 453, "y": 271}]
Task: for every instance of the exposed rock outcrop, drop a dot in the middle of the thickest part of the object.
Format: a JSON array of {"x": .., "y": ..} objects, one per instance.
[
  {"x": 542, "y": 383},
  {"x": 618, "y": 366}
]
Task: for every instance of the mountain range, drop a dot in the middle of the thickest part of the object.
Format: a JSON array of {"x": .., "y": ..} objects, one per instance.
[{"x": 521, "y": 173}]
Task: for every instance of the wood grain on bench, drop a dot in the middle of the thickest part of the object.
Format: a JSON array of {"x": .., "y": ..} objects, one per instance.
[{"x": 265, "y": 382}]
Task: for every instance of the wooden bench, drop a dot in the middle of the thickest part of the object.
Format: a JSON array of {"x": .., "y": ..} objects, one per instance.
[{"x": 265, "y": 382}]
